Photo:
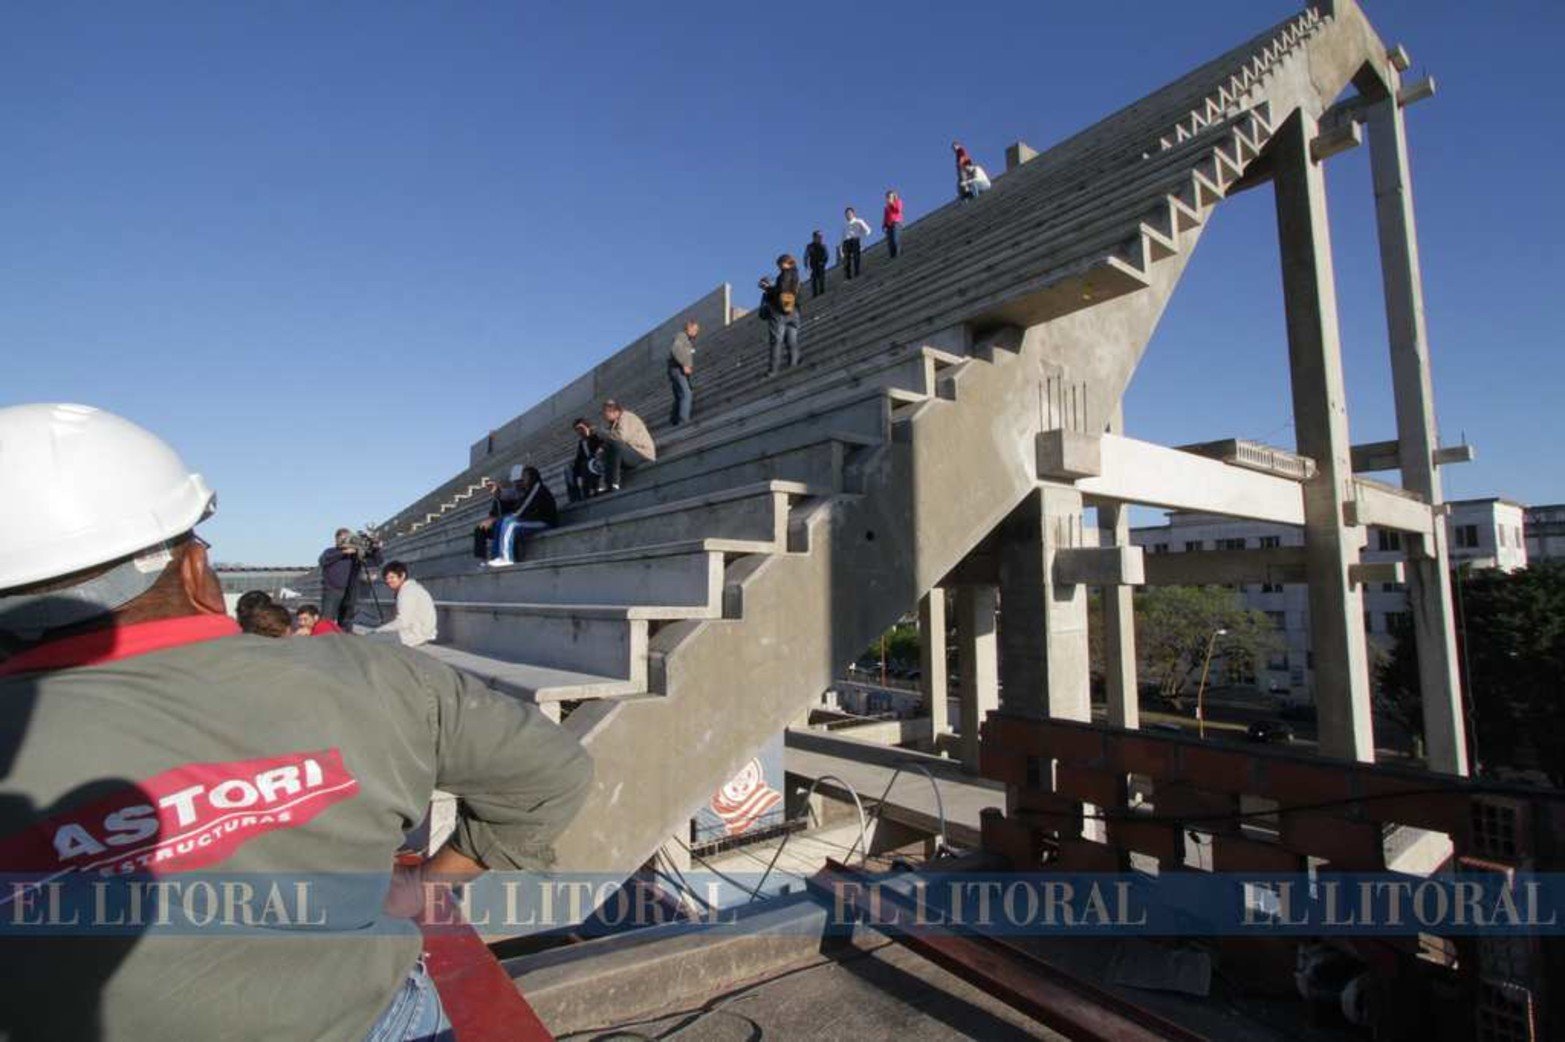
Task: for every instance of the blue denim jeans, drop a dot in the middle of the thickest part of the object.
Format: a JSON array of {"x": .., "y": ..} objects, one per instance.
[
  {"x": 683, "y": 396},
  {"x": 783, "y": 332},
  {"x": 893, "y": 239},
  {"x": 415, "y": 1013}
]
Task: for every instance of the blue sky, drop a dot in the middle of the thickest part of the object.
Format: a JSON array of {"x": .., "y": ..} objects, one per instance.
[{"x": 323, "y": 248}]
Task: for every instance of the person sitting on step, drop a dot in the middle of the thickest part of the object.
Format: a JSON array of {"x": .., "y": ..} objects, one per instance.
[
  {"x": 534, "y": 513},
  {"x": 504, "y": 499},
  {"x": 626, "y": 443},
  {"x": 585, "y": 477}
]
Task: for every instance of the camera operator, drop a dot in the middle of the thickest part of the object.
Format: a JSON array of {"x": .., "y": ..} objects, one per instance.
[{"x": 342, "y": 565}]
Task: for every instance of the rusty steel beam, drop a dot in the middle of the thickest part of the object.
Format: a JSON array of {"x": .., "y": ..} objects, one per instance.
[{"x": 1043, "y": 991}]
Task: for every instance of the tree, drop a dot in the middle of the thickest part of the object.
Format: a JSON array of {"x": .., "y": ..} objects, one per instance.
[
  {"x": 1511, "y": 641},
  {"x": 1175, "y": 623}
]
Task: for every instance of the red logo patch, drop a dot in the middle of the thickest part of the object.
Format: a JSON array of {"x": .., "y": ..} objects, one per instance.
[{"x": 186, "y": 818}]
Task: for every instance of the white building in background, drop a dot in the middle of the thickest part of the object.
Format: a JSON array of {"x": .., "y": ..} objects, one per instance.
[
  {"x": 1545, "y": 532},
  {"x": 1482, "y": 533}
]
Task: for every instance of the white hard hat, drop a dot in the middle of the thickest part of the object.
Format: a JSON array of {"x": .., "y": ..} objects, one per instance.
[
  {"x": 516, "y": 472},
  {"x": 83, "y": 487}
]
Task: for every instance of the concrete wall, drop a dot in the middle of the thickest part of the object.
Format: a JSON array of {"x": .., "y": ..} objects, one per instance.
[{"x": 609, "y": 378}]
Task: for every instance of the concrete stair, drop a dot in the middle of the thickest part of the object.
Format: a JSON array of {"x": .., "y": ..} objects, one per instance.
[{"x": 690, "y": 617}]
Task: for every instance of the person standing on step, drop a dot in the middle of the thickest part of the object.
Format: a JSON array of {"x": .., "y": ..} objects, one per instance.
[
  {"x": 891, "y": 223},
  {"x": 535, "y": 512},
  {"x": 816, "y": 257},
  {"x": 504, "y": 498},
  {"x": 974, "y": 181},
  {"x": 784, "y": 307},
  {"x": 585, "y": 477},
  {"x": 854, "y": 229},
  {"x": 681, "y": 365},
  {"x": 626, "y": 443}
]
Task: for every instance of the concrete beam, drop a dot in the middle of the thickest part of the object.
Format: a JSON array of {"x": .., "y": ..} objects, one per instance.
[
  {"x": 1278, "y": 564},
  {"x": 1152, "y": 475},
  {"x": 1364, "y": 573},
  {"x": 1416, "y": 92},
  {"x": 1387, "y": 455},
  {"x": 1065, "y": 455},
  {"x": 1099, "y": 566},
  {"x": 1372, "y": 505},
  {"x": 1335, "y": 141},
  {"x": 1399, "y": 58}
]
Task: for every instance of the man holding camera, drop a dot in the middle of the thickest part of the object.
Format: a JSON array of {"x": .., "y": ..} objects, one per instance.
[{"x": 341, "y": 567}]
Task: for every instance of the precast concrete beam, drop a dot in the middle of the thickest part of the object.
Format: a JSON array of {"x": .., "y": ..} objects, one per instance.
[
  {"x": 1387, "y": 455},
  {"x": 1153, "y": 475},
  {"x": 1384, "y": 508},
  {"x": 1100, "y": 566},
  {"x": 1333, "y": 142},
  {"x": 1277, "y": 564},
  {"x": 1066, "y": 455},
  {"x": 1122, "y": 703},
  {"x": 1365, "y": 572}
]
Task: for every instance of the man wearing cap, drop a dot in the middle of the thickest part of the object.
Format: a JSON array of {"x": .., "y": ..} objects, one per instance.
[{"x": 141, "y": 735}]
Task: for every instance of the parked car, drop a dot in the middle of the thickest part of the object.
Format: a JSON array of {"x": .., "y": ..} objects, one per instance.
[{"x": 1270, "y": 732}]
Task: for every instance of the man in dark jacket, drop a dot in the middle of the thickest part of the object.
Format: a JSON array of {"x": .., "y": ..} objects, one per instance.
[
  {"x": 582, "y": 481},
  {"x": 341, "y": 567},
  {"x": 535, "y": 512},
  {"x": 504, "y": 498},
  {"x": 816, "y": 257},
  {"x": 784, "y": 310}
]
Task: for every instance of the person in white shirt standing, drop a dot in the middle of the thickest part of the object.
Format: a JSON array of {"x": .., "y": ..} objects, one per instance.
[
  {"x": 854, "y": 229},
  {"x": 415, "y": 621}
]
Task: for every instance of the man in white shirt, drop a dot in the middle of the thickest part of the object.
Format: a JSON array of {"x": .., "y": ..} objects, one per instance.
[
  {"x": 853, "y": 231},
  {"x": 415, "y": 621}
]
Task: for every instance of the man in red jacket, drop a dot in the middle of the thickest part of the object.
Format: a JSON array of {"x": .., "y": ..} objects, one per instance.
[{"x": 312, "y": 625}]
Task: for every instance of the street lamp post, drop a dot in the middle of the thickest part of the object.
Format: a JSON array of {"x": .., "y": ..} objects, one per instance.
[{"x": 1200, "y": 691}]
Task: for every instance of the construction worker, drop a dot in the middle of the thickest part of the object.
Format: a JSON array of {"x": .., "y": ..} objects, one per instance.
[{"x": 140, "y": 733}]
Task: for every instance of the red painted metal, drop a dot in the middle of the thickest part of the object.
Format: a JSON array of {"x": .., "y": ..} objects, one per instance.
[
  {"x": 482, "y": 1001},
  {"x": 1075, "y": 1007}
]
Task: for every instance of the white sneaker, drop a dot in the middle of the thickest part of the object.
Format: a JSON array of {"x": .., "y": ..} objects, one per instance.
[{"x": 496, "y": 562}]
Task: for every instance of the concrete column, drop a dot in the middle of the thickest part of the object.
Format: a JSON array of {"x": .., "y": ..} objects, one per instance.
[
  {"x": 1320, "y": 421},
  {"x": 1044, "y": 662},
  {"x": 977, "y": 651},
  {"x": 1428, "y": 566},
  {"x": 1119, "y": 617},
  {"x": 932, "y": 660}
]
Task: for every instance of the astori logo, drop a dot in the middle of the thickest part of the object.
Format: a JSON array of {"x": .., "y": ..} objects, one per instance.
[{"x": 190, "y": 817}]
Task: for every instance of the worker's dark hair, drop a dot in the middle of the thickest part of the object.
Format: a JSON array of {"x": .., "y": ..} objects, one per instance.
[
  {"x": 580, "y": 421},
  {"x": 309, "y": 609},
  {"x": 532, "y": 472},
  {"x": 250, "y": 603},
  {"x": 785, "y": 260},
  {"x": 610, "y": 403},
  {"x": 396, "y": 568},
  {"x": 269, "y": 620}
]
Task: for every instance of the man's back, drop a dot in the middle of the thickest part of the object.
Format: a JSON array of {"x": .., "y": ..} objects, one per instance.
[{"x": 255, "y": 756}]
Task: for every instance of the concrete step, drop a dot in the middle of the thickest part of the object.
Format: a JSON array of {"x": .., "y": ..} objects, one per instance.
[
  {"x": 531, "y": 683},
  {"x": 594, "y": 639},
  {"x": 756, "y": 512},
  {"x": 685, "y": 573}
]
